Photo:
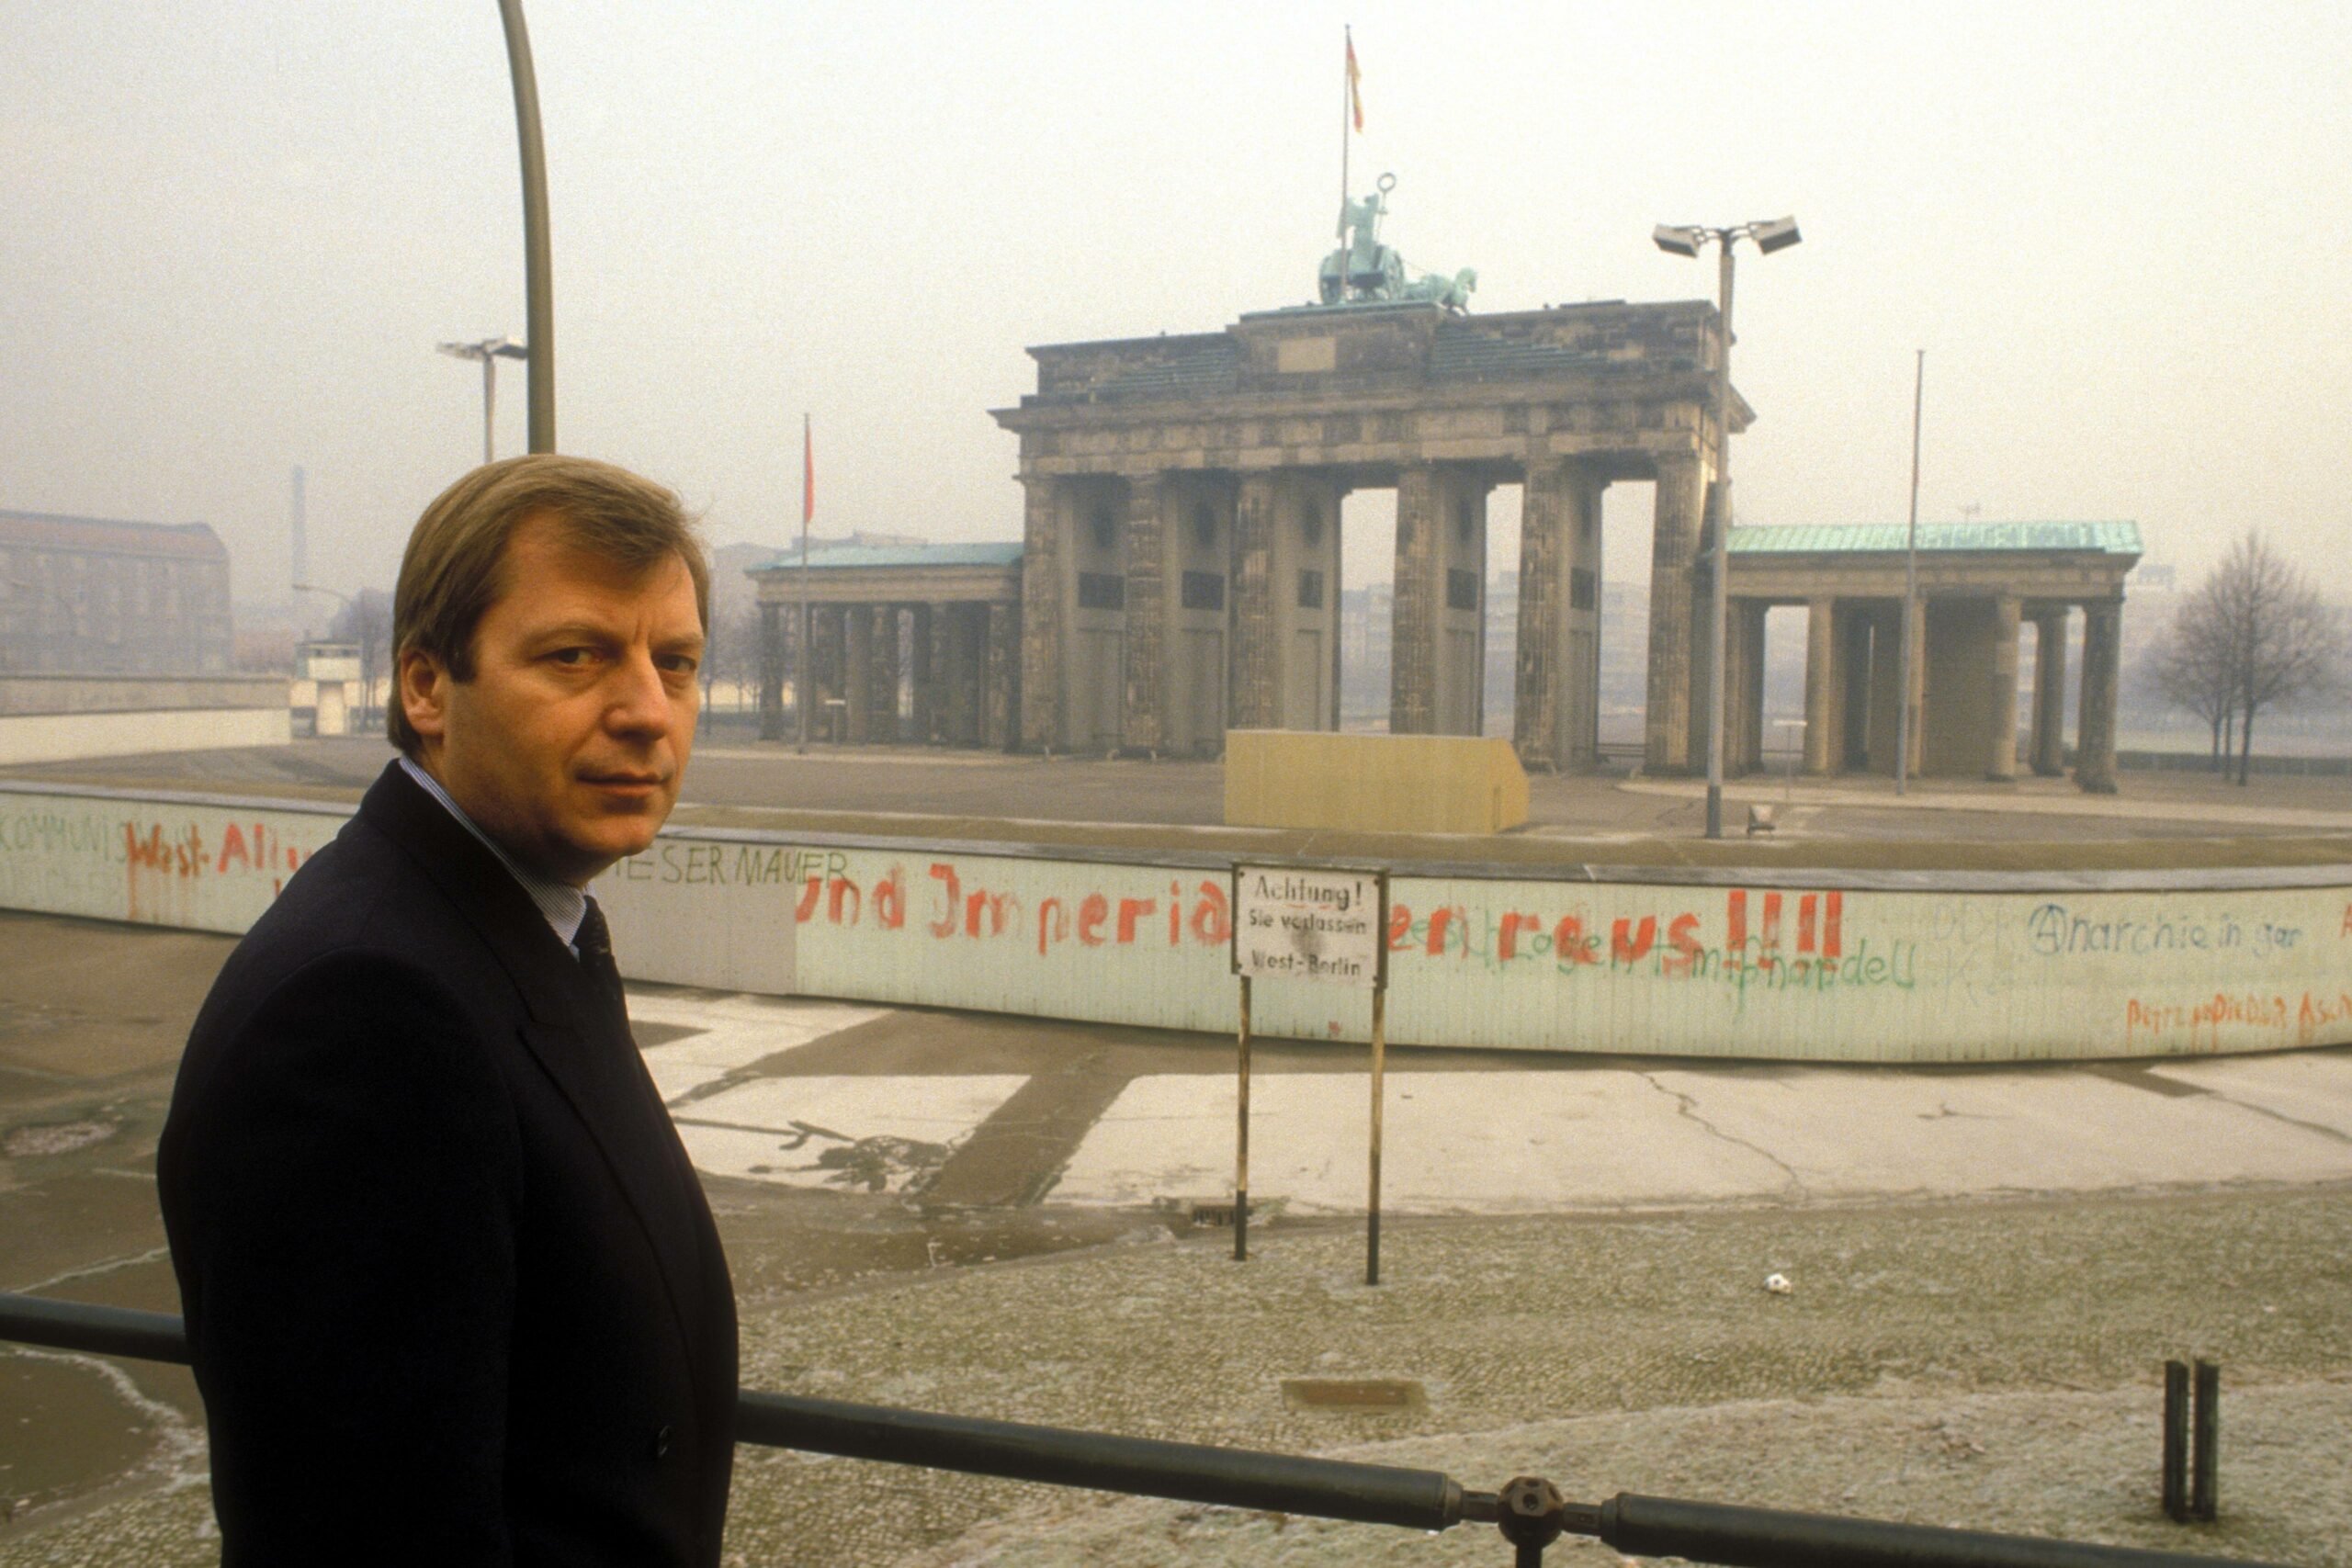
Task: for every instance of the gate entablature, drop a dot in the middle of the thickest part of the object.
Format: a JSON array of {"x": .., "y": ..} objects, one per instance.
[{"x": 1269, "y": 423}]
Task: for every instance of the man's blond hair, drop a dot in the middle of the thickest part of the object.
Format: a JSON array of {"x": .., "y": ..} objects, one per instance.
[{"x": 454, "y": 570}]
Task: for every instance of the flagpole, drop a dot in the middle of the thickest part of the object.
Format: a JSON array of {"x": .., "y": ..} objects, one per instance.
[
  {"x": 1347, "y": 115},
  {"x": 808, "y": 497}
]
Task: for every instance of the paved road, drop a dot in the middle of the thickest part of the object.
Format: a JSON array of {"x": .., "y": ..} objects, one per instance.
[{"x": 946, "y": 1108}]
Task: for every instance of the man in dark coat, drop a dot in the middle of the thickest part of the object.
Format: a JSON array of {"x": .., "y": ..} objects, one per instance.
[{"x": 452, "y": 1289}]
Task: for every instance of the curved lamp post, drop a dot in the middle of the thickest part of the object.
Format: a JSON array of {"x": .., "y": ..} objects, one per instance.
[
  {"x": 539, "y": 301},
  {"x": 1769, "y": 235}
]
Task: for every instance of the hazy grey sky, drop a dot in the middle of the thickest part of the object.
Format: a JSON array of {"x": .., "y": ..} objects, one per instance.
[{"x": 234, "y": 232}]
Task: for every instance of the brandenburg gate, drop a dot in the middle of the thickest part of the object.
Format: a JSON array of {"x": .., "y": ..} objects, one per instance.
[{"x": 1182, "y": 533}]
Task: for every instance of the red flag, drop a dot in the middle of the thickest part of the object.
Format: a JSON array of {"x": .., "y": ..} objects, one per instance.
[
  {"x": 1355, "y": 91},
  {"x": 807, "y": 474}
]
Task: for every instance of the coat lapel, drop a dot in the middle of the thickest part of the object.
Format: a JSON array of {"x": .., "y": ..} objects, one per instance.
[{"x": 585, "y": 1048}]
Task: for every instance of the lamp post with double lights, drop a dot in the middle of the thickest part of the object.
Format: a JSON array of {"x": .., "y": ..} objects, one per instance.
[
  {"x": 490, "y": 351},
  {"x": 1769, "y": 235}
]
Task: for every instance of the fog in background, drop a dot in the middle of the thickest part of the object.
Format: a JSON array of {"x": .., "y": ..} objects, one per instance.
[{"x": 235, "y": 232}]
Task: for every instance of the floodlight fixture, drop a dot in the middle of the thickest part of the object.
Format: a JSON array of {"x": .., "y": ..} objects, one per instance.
[
  {"x": 1778, "y": 234},
  {"x": 488, "y": 351},
  {"x": 1680, "y": 242}
]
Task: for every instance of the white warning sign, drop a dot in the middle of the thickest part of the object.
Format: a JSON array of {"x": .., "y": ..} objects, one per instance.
[{"x": 1309, "y": 923}]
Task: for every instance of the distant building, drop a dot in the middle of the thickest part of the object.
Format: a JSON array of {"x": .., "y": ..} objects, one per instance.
[{"x": 92, "y": 596}]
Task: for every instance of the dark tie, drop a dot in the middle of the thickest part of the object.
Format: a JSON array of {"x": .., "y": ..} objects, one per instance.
[{"x": 594, "y": 941}]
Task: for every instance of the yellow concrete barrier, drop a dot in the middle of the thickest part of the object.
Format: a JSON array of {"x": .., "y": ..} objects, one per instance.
[{"x": 1396, "y": 783}]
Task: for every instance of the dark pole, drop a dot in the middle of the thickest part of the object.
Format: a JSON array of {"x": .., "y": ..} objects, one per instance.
[{"x": 538, "y": 299}]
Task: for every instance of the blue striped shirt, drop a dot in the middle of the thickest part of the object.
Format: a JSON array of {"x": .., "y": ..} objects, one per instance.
[{"x": 564, "y": 905}]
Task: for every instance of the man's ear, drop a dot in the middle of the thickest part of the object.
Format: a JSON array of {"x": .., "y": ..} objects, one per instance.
[{"x": 424, "y": 694}]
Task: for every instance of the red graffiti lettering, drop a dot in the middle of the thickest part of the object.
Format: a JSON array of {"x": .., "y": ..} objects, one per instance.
[
  {"x": 1400, "y": 928},
  {"x": 1507, "y": 945},
  {"x": 1569, "y": 941},
  {"x": 890, "y": 899},
  {"x": 1832, "y": 942},
  {"x": 1053, "y": 924},
  {"x": 232, "y": 844},
  {"x": 806, "y": 909},
  {"x": 995, "y": 905},
  {"x": 950, "y": 893},
  {"x": 1212, "y": 919},
  {"x": 1623, "y": 950},
  {"x": 1736, "y": 921},
  {"x": 1130, "y": 911},
  {"x": 1438, "y": 920},
  {"x": 1681, "y": 936},
  {"x": 1092, "y": 912},
  {"x": 1804, "y": 923},
  {"x": 842, "y": 891}
]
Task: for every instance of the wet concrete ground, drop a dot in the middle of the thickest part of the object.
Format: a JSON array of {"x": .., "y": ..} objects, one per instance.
[{"x": 1988, "y": 1359}]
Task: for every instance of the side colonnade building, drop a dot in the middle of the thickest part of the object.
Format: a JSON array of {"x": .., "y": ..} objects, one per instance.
[
  {"x": 938, "y": 626},
  {"x": 1978, "y": 583}
]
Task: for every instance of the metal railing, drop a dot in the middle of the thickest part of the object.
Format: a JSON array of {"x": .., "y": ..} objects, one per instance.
[{"x": 1530, "y": 1512}]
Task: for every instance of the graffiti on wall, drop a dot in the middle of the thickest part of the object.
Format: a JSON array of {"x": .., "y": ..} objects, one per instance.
[{"x": 1813, "y": 972}]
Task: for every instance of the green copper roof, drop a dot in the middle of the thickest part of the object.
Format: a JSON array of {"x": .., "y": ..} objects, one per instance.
[
  {"x": 1818, "y": 538},
  {"x": 842, "y": 557}
]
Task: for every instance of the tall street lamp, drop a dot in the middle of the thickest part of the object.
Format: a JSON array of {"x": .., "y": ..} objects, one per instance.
[
  {"x": 490, "y": 351},
  {"x": 1769, "y": 235}
]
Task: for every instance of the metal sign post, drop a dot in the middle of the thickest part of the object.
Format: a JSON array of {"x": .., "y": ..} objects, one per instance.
[
  {"x": 1241, "y": 1139},
  {"x": 1317, "y": 923}
]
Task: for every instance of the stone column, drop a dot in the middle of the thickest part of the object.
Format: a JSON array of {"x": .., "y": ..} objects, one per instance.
[
  {"x": 770, "y": 672},
  {"x": 939, "y": 637},
  {"x": 923, "y": 675},
  {"x": 1043, "y": 569},
  {"x": 1747, "y": 692},
  {"x": 1143, "y": 722},
  {"x": 1540, "y": 658},
  {"x": 2049, "y": 693},
  {"x": 828, "y": 647},
  {"x": 1678, "y": 648},
  {"x": 2094, "y": 722},
  {"x": 857, "y": 626},
  {"x": 1419, "y": 583},
  {"x": 969, "y": 658},
  {"x": 1002, "y": 651},
  {"x": 2001, "y": 759},
  {"x": 1256, "y": 667},
  {"x": 882, "y": 725},
  {"x": 1823, "y": 729}
]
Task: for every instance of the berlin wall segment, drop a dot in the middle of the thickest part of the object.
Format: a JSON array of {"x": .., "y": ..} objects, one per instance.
[{"x": 1821, "y": 972}]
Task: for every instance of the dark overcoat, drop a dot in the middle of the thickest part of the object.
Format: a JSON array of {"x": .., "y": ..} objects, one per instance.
[{"x": 452, "y": 1289}]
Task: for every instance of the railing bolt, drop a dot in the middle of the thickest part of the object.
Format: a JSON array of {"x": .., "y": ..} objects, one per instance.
[{"x": 1532, "y": 1516}]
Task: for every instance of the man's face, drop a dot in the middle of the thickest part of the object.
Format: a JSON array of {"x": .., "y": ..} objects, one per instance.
[{"x": 568, "y": 744}]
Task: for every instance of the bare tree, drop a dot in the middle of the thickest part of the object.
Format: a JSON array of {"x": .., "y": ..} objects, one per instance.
[
  {"x": 2256, "y": 635},
  {"x": 2191, "y": 667}
]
